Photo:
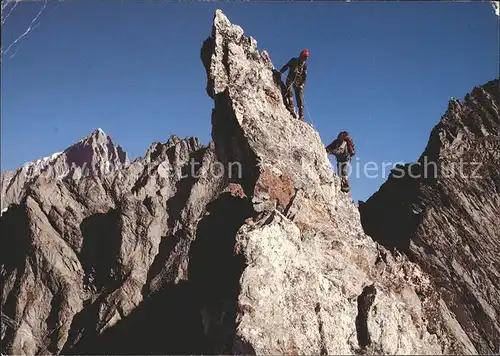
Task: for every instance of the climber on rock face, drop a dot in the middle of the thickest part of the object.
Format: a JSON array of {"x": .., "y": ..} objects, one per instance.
[
  {"x": 343, "y": 149},
  {"x": 295, "y": 81}
]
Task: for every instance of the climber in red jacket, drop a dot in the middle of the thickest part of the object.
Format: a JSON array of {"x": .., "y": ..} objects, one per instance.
[{"x": 343, "y": 149}]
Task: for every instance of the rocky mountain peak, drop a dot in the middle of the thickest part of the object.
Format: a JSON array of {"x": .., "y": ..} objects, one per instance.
[
  {"x": 472, "y": 119},
  {"x": 95, "y": 154},
  {"x": 98, "y": 135}
]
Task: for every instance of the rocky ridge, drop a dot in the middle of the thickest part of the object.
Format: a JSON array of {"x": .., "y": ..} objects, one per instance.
[
  {"x": 268, "y": 258},
  {"x": 443, "y": 212}
]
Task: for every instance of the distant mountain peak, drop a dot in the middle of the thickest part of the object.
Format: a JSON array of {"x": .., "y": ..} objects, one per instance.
[
  {"x": 99, "y": 133},
  {"x": 94, "y": 154},
  {"x": 98, "y": 136}
]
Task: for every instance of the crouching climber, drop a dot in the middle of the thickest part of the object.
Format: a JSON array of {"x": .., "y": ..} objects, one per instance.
[
  {"x": 295, "y": 81},
  {"x": 343, "y": 150}
]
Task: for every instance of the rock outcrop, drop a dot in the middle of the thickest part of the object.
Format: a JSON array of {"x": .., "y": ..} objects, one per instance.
[
  {"x": 443, "y": 212},
  {"x": 246, "y": 245}
]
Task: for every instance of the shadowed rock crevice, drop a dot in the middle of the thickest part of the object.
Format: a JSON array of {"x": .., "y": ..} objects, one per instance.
[
  {"x": 365, "y": 301},
  {"x": 225, "y": 60},
  {"x": 214, "y": 269},
  {"x": 165, "y": 323},
  {"x": 207, "y": 49},
  {"x": 100, "y": 249},
  {"x": 52, "y": 323},
  {"x": 13, "y": 260},
  {"x": 14, "y": 223},
  {"x": 84, "y": 327},
  {"x": 167, "y": 246},
  {"x": 232, "y": 147}
]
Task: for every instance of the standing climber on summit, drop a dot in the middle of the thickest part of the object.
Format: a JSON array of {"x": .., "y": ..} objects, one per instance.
[
  {"x": 343, "y": 149},
  {"x": 295, "y": 81}
]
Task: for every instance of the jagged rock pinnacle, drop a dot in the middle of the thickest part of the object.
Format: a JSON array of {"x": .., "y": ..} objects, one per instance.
[{"x": 287, "y": 176}]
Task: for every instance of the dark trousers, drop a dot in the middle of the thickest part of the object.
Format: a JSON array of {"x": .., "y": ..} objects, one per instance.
[
  {"x": 299, "y": 95},
  {"x": 342, "y": 168},
  {"x": 342, "y": 171}
]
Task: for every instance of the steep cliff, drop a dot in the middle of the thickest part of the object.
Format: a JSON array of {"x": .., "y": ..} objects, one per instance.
[
  {"x": 246, "y": 245},
  {"x": 443, "y": 212}
]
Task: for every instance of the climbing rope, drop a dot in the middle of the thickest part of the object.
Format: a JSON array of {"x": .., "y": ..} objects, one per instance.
[{"x": 309, "y": 114}]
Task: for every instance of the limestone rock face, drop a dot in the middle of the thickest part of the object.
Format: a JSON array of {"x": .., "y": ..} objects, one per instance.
[
  {"x": 246, "y": 245},
  {"x": 443, "y": 212}
]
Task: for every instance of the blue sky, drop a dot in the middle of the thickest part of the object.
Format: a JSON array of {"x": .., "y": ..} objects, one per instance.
[{"x": 384, "y": 71}]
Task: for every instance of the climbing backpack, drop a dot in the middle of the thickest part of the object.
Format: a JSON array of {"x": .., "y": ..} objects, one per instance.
[{"x": 338, "y": 147}]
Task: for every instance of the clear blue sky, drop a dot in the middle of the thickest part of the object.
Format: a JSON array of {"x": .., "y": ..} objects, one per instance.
[{"x": 383, "y": 71}]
